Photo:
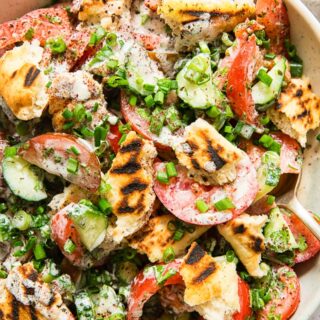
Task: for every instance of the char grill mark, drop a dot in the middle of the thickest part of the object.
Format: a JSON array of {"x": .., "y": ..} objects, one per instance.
[
  {"x": 205, "y": 274},
  {"x": 215, "y": 157},
  {"x": 133, "y": 186},
  {"x": 128, "y": 168},
  {"x": 33, "y": 276},
  {"x": 195, "y": 255},
  {"x": 15, "y": 305},
  {"x": 33, "y": 313},
  {"x": 31, "y": 76},
  {"x": 195, "y": 164},
  {"x": 133, "y": 146},
  {"x": 239, "y": 229},
  {"x": 257, "y": 244}
]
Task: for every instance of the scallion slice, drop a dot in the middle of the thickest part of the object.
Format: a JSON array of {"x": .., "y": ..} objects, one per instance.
[{"x": 224, "y": 204}]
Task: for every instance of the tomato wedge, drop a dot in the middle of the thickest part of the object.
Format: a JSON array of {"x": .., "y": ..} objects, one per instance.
[
  {"x": 52, "y": 152},
  {"x": 141, "y": 125},
  {"x": 62, "y": 229},
  {"x": 274, "y": 16},
  {"x": 290, "y": 154},
  {"x": 45, "y": 23},
  {"x": 145, "y": 285},
  {"x": 299, "y": 229},
  {"x": 286, "y": 297},
  {"x": 244, "y": 296},
  {"x": 239, "y": 79},
  {"x": 114, "y": 136},
  {"x": 180, "y": 195}
]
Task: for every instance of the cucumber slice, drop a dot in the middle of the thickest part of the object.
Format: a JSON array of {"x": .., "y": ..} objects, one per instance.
[
  {"x": 198, "y": 96},
  {"x": 23, "y": 179},
  {"x": 261, "y": 93},
  {"x": 90, "y": 224},
  {"x": 268, "y": 173},
  {"x": 278, "y": 236}
]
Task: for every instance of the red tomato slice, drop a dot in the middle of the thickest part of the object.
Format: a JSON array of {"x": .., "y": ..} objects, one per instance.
[
  {"x": 244, "y": 296},
  {"x": 141, "y": 125},
  {"x": 148, "y": 41},
  {"x": 46, "y": 23},
  {"x": 286, "y": 300},
  {"x": 51, "y": 152},
  {"x": 114, "y": 136},
  {"x": 274, "y": 16},
  {"x": 299, "y": 229},
  {"x": 290, "y": 153},
  {"x": 63, "y": 229},
  {"x": 239, "y": 79},
  {"x": 180, "y": 195},
  {"x": 145, "y": 285}
]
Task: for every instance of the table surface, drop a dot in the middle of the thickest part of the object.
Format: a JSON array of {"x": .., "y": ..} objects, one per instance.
[{"x": 314, "y": 6}]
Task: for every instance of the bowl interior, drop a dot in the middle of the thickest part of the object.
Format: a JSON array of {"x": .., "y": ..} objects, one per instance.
[{"x": 305, "y": 31}]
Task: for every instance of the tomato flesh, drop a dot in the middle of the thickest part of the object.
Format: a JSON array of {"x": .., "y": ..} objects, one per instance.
[
  {"x": 52, "y": 152},
  {"x": 180, "y": 195},
  {"x": 144, "y": 286},
  {"x": 274, "y": 16},
  {"x": 63, "y": 229},
  {"x": 286, "y": 302},
  {"x": 244, "y": 297},
  {"x": 299, "y": 229}
]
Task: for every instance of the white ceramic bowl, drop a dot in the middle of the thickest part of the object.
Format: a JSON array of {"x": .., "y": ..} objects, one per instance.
[{"x": 305, "y": 32}]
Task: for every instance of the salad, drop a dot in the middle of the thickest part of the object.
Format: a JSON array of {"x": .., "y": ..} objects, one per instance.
[{"x": 143, "y": 145}]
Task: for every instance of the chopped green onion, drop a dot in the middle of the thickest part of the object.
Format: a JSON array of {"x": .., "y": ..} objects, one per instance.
[
  {"x": 72, "y": 165},
  {"x": 247, "y": 131},
  {"x": 228, "y": 129},
  {"x": 40, "y": 210},
  {"x": 22, "y": 220},
  {"x": 22, "y": 128},
  {"x": 10, "y": 152},
  {"x": 3, "y": 274},
  {"x": 98, "y": 35},
  {"x": 296, "y": 69},
  {"x": 162, "y": 177},
  {"x": 172, "y": 118},
  {"x": 213, "y": 112},
  {"x": 39, "y": 252},
  {"x": 48, "y": 84},
  {"x": 133, "y": 100},
  {"x": 111, "y": 39},
  {"x": 201, "y": 205},
  {"x": 79, "y": 112},
  {"x": 149, "y": 101},
  {"x": 264, "y": 77},
  {"x": 57, "y": 45},
  {"x": 74, "y": 150},
  {"x": 226, "y": 40},
  {"x": 69, "y": 246},
  {"x": 178, "y": 235},
  {"x": 100, "y": 134},
  {"x": 224, "y": 204},
  {"x": 95, "y": 107},
  {"x": 159, "y": 97},
  {"x": 67, "y": 114},
  {"x": 270, "y": 56},
  {"x": 112, "y": 64},
  {"x": 264, "y": 120},
  {"x": 168, "y": 255},
  {"x": 124, "y": 128},
  {"x": 157, "y": 120},
  {"x": 104, "y": 205},
  {"x": 86, "y": 132},
  {"x": 266, "y": 141},
  {"x": 88, "y": 116},
  {"x": 270, "y": 200},
  {"x": 68, "y": 125},
  {"x": 122, "y": 139},
  {"x": 171, "y": 170},
  {"x": 3, "y": 207},
  {"x": 230, "y": 255},
  {"x": 148, "y": 87},
  {"x": 318, "y": 137},
  {"x": 29, "y": 34},
  {"x": 144, "y": 19},
  {"x": 204, "y": 47}
]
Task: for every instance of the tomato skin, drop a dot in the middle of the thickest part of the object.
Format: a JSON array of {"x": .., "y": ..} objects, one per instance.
[
  {"x": 244, "y": 296},
  {"x": 152, "y": 4},
  {"x": 63, "y": 229},
  {"x": 114, "y": 136},
  {"x": 14, "y": 31},
  {"x": 180, "y": 195},
  {"x": 239, "y": 79},
  {"x": 88, "y": 175},
  {"x": 288, "y": 303},
  {"x": 139, "y": 124},
  {"x": 145, "y": 286},
  {"x": 274, "y": 16},
  {"x": 149, "y": 41},
  {"x": 299, "y": 229}
]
